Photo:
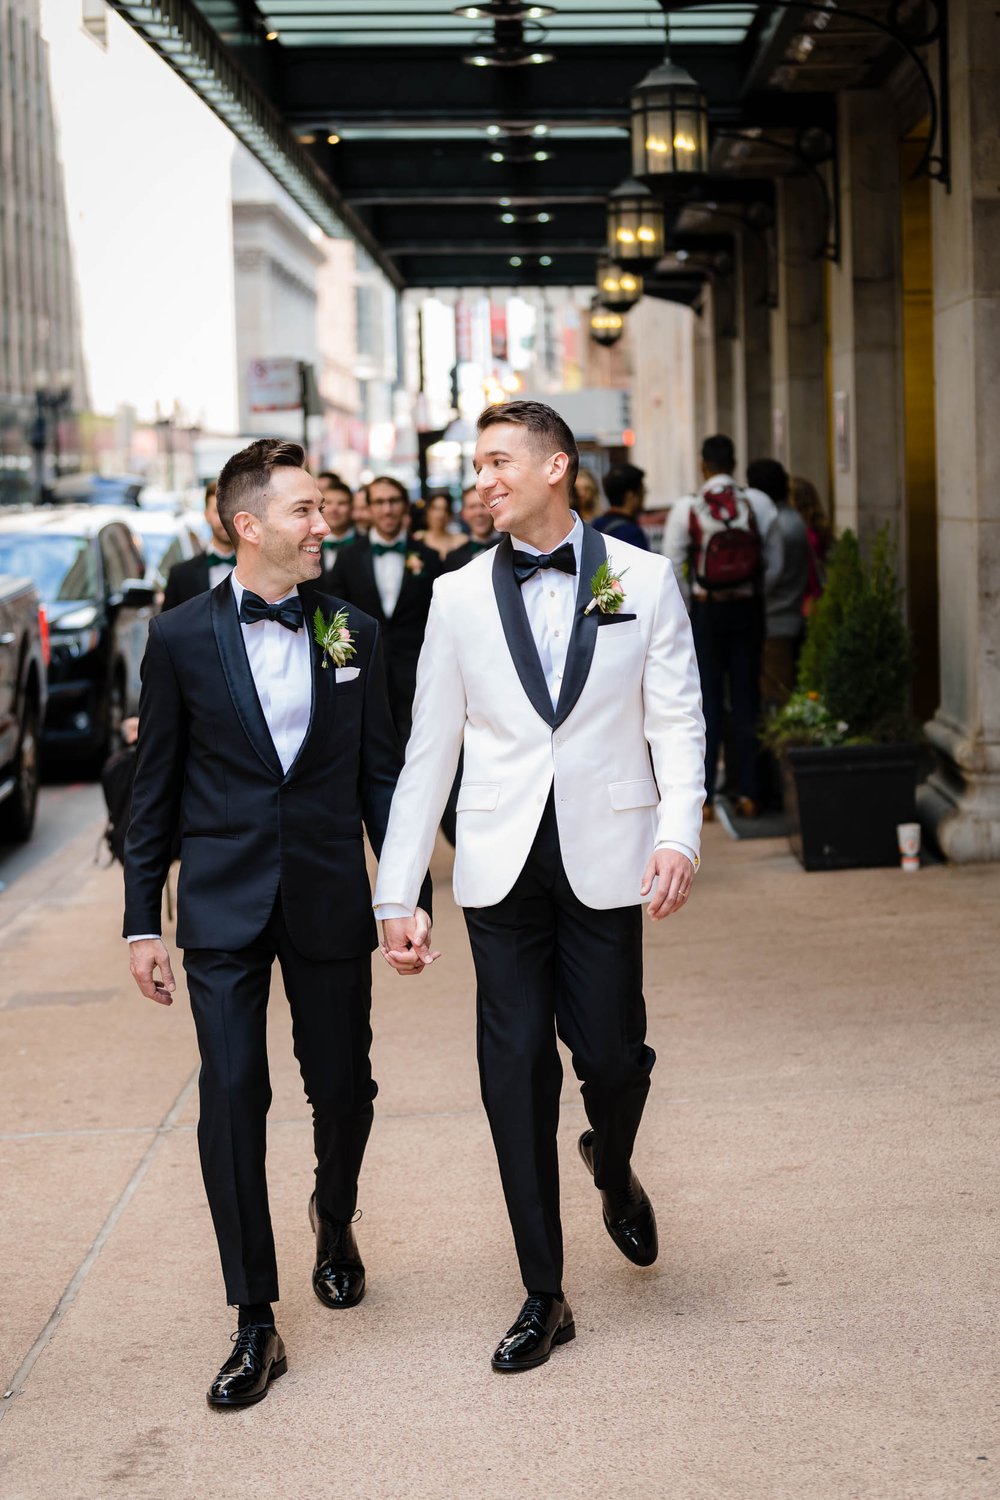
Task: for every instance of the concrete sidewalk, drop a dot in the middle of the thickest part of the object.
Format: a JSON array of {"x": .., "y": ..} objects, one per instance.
[{"x": 820, "y": 1143}]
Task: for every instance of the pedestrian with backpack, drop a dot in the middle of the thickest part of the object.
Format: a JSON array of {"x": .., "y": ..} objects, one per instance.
[{"x": 726, "y": 549}]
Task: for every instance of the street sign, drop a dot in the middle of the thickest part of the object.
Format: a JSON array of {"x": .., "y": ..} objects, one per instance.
[{"x": 274, "y": 385}]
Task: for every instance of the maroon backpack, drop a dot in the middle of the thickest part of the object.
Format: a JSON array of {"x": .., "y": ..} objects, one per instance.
[{"x": 725, "y": 548}]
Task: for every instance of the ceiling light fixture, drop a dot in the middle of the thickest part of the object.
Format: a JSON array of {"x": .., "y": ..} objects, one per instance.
[
  {"x": 669, "y": 125},
  {"x": 504, "y": 11}
]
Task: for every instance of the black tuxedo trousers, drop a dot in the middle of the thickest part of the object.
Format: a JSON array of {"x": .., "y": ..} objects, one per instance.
[
  {"x": 330, "y": 1004},
  {"x": 548, "y": 965}
]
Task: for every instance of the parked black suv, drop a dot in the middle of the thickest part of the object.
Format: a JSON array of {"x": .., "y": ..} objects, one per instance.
[
  {"x": 89, "y": 574},
  {"x": 23, "y": 675}
]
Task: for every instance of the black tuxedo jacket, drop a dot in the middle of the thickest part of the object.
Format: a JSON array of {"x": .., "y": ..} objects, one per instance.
[
  {"x": 353, "y": 579},
  {"x": 186, "y": 580},
  {"x": 206, "y": 759},
  {"x": 466, "y": 553}
]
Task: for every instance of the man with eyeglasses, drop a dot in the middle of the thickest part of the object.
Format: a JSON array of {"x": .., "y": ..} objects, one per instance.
[{"x": 390, "y": 577}]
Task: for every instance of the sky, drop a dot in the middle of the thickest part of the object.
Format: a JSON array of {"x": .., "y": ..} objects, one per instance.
[{"x": 147, "y": 176}]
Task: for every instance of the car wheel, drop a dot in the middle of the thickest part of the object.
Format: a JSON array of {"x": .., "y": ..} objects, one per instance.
[{"x": 17, "y": 814}]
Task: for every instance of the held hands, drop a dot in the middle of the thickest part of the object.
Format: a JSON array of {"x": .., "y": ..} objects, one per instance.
[
  {"x": 145, "y": 956},
  {"x": 406, "y": 943},
  {"x": 673, "y": 873}
]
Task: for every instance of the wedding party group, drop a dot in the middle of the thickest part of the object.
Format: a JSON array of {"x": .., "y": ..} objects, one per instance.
[{"x": 556, "y": 708}]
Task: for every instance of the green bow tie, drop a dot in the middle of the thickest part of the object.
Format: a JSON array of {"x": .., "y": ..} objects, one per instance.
[
  {"x": 334, "y": 543},
  {"x": 217, "y": 557},
  {"x": 379, "y": 549}
]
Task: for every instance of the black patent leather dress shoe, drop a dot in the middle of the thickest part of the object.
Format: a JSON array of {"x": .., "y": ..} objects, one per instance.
[
  {"x": 338, "y": 1276},
  {"x": 258, "y": 1357},
  {"x": 542, "y": 1324},
  {"x": 628, "y": 1213}
]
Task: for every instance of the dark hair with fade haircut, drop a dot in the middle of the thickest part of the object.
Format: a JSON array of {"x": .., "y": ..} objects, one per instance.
[
  {"x": 719, "y": 453},
  {"x": 622, "y": 480},
  {"x": 768, "y": 475},
  {"x": 545, "y": 427},
  {"x": 246, "y": 479}
]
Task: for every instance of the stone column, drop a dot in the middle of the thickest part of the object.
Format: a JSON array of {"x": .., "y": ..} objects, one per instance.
[
  {"x": 706, "y": 412},
  {"x": 798, "y": 355},
  {"x": 728, "y": 363},
  {"x": 663, "y": 396},
  {"x": 961, "y": 801},
  {"x": 754, "y": 321},
  {"x": 866, "y": 324}
]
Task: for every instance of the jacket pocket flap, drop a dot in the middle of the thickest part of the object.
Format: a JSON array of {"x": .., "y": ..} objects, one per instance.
[
  {"x": 626, "y": 794},
  {"x": 478, "y": 796}
]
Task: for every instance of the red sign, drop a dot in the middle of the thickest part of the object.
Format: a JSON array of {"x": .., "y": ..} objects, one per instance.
[
  {"x": 463, "y": 333},
  {"x": 498, "y": 330}
]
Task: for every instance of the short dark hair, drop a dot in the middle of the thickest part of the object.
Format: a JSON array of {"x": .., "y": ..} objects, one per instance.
[
  {"x": 332, "y": 478},
  {"x": 246, "y": 479},
  {"x": 621, "y": 480},
  {"x": 768, "y": 475},
  {"x": 545, "y": 427},
  {"x": 397, "y": 485},
  {"x": 210, "y": 489},
  {"x": 719, "y": 454}
]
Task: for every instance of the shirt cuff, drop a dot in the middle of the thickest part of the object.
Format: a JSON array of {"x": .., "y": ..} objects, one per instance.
[
  {"x": 142, "y": 937},
  {"x": 681, "y": 849},
  {"x": 385, "y": 912}
]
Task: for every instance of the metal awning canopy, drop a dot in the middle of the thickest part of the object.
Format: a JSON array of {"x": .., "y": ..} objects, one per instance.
[{"x": 378, "y": 120}]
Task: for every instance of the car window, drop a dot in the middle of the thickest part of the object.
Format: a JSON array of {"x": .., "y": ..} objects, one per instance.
[
  {"x": 60, "y": 567},
  {"x": 116, "y": 559}
]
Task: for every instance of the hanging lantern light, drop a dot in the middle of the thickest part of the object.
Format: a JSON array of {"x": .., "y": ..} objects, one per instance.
[
  {"x": 606, "y": 327},
  {"x": 636, "y": 229},
  {"x": 617, "y": 287},
  {"x": 669, "y": 128}
]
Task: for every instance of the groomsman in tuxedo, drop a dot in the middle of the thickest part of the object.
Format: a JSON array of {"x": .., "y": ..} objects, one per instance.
[
  {"x": 390, "y": 577},
  {"x": 562, "y": 661},
  {"x": 196, "y": 575},
  {"x": 337, "y": 505},
  {"x": 482, "y": 534},
  {"x": 273, "y": 755}
]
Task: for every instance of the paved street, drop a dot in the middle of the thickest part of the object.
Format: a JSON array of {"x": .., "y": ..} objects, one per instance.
[{"x": 821, "y": 1145}]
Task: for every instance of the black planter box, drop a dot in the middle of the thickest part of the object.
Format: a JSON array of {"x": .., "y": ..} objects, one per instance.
[{"x": 843, "y": 803}]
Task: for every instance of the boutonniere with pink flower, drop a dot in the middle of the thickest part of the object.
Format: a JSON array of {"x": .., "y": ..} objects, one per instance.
[
  {"x": 333, "y": 637},
  {"x": 414, "y": 564},
  {"x": 606, "y": 587}
]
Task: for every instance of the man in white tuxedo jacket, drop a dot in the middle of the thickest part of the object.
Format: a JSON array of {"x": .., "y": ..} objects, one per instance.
[{"x": 581, "y": 799}]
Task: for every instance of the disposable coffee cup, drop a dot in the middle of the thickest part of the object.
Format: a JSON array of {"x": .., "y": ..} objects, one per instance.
[{"x": 908, "y": 835}]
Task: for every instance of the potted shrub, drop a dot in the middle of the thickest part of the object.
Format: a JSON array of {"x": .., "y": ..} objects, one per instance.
[{"x": 846, "y": 739}]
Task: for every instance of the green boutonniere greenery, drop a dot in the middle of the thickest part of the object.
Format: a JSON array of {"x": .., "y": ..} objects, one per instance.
[
  {"x": 606, "y": 587},
  {"x": 333, "y": 637}
]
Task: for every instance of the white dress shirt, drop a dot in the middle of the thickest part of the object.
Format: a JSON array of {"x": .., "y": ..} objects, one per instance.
[
  {"x": 388, "y": 570},
  {"x": 550, "y": 603},
  {"x": 217, "y": 572},
  {"x": 281, "y": 665}
]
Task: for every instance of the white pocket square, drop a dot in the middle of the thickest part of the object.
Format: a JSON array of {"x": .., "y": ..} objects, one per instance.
[{"x": 348, "y": 674}]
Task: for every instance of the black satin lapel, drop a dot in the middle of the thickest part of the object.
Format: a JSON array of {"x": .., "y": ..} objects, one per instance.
[
  {"x": 520, "y": 641},
  {"x": 584, "y": 638},
  {"x": 239, "y": 678}
]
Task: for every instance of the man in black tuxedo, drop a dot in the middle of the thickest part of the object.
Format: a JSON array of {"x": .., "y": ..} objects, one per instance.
[
  {"x": 482, "y": 536},
  {"x": 271, "y": 754},
  {"x": 390, "y": 578},
  {"x": 338, "y": 503},
  {"x": 196, "y": 575}
]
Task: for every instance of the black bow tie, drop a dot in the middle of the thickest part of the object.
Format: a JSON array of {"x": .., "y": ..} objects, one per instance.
[
  {"x": 527, "y": 564},
  {"x": 287, "y": 613}
]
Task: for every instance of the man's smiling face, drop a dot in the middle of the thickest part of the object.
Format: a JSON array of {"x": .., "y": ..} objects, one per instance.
[{"x": 512, "y": 479}]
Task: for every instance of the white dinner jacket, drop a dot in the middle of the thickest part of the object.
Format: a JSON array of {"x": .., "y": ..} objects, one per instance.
[{"x": 624, "y": 747}]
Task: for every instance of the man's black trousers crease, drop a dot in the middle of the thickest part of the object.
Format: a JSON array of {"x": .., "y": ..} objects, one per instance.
[
  {"x": 547, "y": 964},
  {"x": 330, "y": 1005}
]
